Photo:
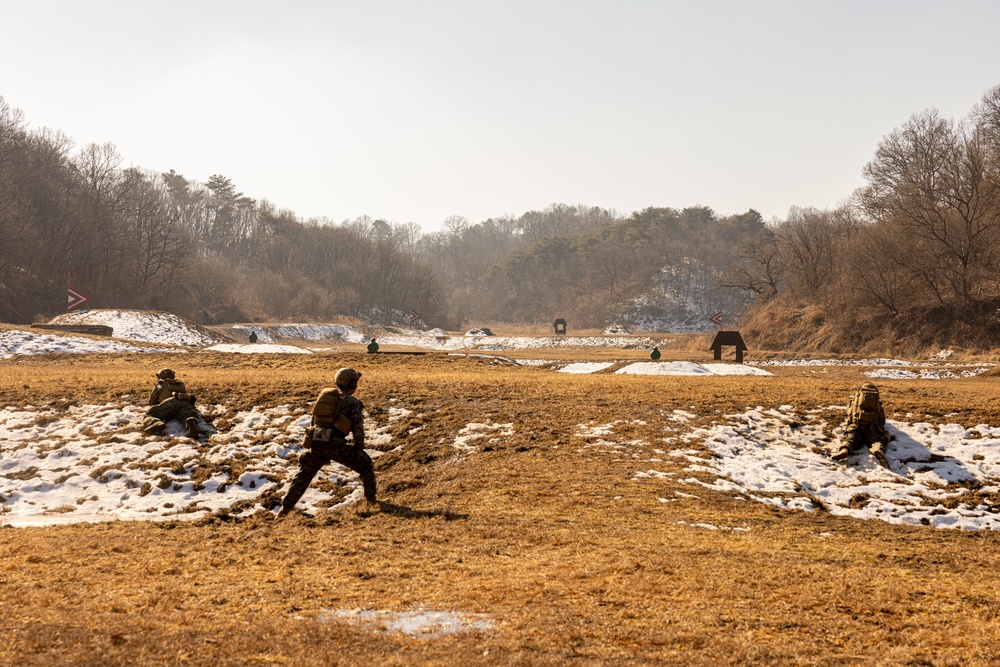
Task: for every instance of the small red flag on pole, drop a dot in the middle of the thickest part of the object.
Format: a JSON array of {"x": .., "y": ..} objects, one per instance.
[{"x": 75, "y": 298}]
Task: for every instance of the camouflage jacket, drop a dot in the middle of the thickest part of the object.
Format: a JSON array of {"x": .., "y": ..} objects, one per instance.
[
  {"x": 353, "y": 409},
  {"x": 876, "y": 428},
  {"x": 164, "y": 389}
]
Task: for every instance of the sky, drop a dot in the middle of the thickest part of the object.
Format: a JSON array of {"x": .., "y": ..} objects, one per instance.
[{"x": 417, "y": 111}]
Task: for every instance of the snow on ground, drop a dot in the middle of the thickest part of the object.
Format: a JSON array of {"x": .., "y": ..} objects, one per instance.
[
  {"x": 832, "y": 362},
  {"x": 663, "y": 368},
  {"x": 318, "y": 332},
  {"x": 15, "y": 343},
  {"x": 473, "y": 436},
  {"x": 258, "y": 348},
  {"x": 946, "y": 476},
  {"x": 166, "y": 328},
  {"x": 586, "y": 367},
  {"x": 437, "y": 339},
  {"x": 894, "y": 368},
  {"x": 92, "y": 464},
  {"x": 924, "y": 373},
  {"x": 420, "y": 622},
  {"x": 501, "y": 343},
  {"x": 144, "y": 325},
  {"x": 688, "y": 368}
]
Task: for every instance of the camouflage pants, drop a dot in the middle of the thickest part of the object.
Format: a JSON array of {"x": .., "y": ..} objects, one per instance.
[
  {"x": 310, "y": 463},
  {"x": 857, "y": 436},
  {"x": 172, "y": 408}
]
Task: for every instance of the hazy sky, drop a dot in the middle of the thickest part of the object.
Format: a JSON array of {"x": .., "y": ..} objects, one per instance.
[{"x": 418, "y": 110}]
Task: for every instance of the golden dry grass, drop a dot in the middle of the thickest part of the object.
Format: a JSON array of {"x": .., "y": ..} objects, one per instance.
[{"x": 575, "y": 561}]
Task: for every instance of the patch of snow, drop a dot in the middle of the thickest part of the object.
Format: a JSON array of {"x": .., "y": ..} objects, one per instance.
[
  {"x": 257, "y": 348},
  {"x": 708, "y": 526},
  {"x": 473, "y": 436},
  {"x": 586, "y": 367},
  {"x": 320, "y": 332},
  {"x": 780, "y": 458},
  {"x": 688, "y": 368},
  {"x": 144, "y": 325},
  {"x": 421, "y": 623},
  {"x": 922, "y": 374},
  {"x": 832, "y": 362},
  {"x": 15, "y": 343},
  {"x": 92, "y": 463}
]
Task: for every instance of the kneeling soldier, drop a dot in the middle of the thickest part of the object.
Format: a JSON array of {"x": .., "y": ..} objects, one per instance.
[{"x": 336, "y": 415}]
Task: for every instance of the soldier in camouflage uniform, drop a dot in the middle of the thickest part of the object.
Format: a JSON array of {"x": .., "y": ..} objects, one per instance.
[
  {"x": 865, "y": 426},
  {"x": 327, "y": 437},
  {"x": 169, "y": 400}
]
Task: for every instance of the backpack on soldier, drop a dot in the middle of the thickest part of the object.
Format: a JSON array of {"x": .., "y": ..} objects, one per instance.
[
  {"x": 169, "y": 387},
  {"x": 327, "y": 420},
  {"x": 864, "y": 406}
]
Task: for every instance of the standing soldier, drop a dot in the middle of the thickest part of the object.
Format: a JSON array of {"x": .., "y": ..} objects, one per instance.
[
  {"x": 169, "y": 400},
  {"x": 865, "y": 426},
  {"x": 336, "y": 415}
]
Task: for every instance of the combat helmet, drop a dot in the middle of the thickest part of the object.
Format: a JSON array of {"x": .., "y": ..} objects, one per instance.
[
  {"x": 165, "y": 374},
  {"x": 345, "y": 376}
]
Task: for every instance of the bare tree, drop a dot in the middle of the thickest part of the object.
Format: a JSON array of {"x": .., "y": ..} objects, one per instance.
[
  {"x": 759, "y": 268},
  {"x": 876, "y": 269},
  {"x": 807, "y": 240},
  {"x": 933, "y": 179}
]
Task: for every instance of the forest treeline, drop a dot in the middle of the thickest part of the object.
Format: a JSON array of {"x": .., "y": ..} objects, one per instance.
[
  {"x": 911, "y": 256},
  {"x": 140, "y": 239}
]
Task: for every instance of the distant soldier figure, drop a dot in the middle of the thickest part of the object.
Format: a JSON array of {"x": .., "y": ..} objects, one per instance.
[
  {"x": 865, "y": 426},
  {"x": 169, "y": 400},
  {"x": 655, "y": 354},
  {"x": 336, "y": 414},
  {"x": 253, "y": 336},
  {"x": 372, "y": 347}
]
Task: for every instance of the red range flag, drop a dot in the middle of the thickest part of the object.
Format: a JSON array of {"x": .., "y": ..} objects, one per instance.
[
  {"x": 75, "y": 298},
  {"x": 717, "y": 318}
]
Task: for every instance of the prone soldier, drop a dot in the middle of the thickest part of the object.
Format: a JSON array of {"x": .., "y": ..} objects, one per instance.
[
  {"x": 169, "y": 400},
  {"x": 865, "y": 426}
]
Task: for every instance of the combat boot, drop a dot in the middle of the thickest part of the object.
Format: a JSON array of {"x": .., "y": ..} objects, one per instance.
[
  {"x": 191, "y": 424},
  {"x": 841, "y": 454},
  {"x": 152, "y": 426},
  {"x": 879, "y": 456}
]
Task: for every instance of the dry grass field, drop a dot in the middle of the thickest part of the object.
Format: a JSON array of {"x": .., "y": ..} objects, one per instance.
[{"x": 563, "y": 554}]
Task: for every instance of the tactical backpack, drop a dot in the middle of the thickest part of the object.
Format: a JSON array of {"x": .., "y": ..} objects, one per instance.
[
  {"x": 864, "y": 406},
  {"x": 327, "y": 420},
  {"x": 168, "y": 387}
]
